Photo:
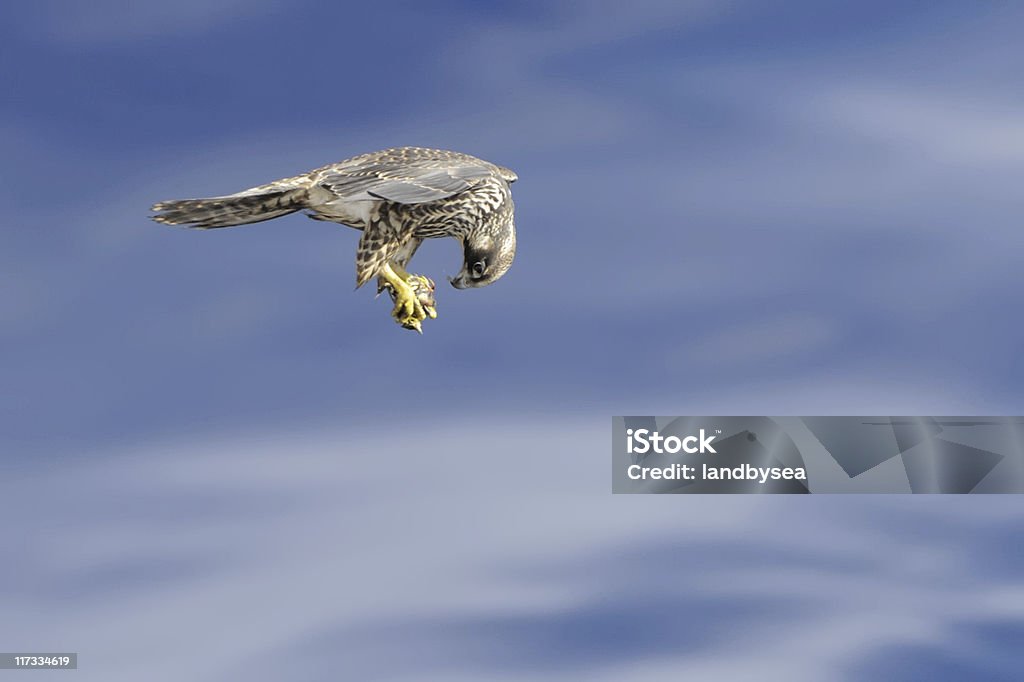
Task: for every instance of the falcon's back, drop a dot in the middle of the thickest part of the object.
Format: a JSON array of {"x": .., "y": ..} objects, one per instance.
[{"x": 345, "y": 191}]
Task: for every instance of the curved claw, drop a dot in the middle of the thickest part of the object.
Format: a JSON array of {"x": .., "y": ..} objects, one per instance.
[{"x": 413, "y": 296}]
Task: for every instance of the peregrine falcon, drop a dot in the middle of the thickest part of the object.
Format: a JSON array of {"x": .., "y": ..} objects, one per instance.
[{"x": 397, "y": 197}]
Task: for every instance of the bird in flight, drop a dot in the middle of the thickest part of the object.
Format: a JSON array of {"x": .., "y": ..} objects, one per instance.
[{"x": 397, "y": 197}]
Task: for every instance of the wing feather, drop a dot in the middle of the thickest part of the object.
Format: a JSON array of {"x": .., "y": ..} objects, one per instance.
[{"x": 407, "y": 175}]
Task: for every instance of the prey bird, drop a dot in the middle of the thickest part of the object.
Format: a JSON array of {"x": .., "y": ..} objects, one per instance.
[{"x": 397, "y": 197}]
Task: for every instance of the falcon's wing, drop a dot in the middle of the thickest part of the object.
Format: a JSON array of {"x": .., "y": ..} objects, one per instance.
[{"x": 405, "y": 176}]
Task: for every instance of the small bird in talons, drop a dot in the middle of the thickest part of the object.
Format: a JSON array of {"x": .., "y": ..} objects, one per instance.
[
  {"x": 423, "y": 288},
  {"x": 397, "y": 197}
]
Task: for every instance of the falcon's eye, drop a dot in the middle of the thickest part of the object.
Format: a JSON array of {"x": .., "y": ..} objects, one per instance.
[{"x": 479, "y": 267}]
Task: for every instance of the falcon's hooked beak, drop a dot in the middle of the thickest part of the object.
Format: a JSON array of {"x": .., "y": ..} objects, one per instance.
[{"x": 459, "y": 282}]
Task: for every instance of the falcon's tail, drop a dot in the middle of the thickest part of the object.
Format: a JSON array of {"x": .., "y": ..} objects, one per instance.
[{"x": 251, "y": 206}]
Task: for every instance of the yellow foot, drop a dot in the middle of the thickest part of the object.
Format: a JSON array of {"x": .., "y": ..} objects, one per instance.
[{"x": 413, "y": 296}]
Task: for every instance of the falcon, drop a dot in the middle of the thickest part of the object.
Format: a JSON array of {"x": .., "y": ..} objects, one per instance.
[{"x": 398, "y": 197}]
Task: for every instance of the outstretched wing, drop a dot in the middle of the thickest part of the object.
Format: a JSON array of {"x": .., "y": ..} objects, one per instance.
[{"x": 406, "y": 175}]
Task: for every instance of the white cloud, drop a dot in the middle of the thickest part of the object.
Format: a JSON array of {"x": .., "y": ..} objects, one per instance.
[{"x": 966, "y": 130}]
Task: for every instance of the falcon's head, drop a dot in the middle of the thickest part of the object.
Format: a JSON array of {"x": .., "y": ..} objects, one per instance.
[{"x": 487, "y": 253}]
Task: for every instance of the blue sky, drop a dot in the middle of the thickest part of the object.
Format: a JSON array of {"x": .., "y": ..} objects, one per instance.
[{"x": 724, "y": 207}]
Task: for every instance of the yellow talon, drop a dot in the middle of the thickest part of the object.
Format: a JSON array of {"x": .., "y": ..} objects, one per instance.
[{"x": 413, "y": 296}]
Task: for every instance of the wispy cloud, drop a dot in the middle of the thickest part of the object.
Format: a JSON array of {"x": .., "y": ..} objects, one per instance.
[
  {"x": 957, "y": 130},
  {"x": 759, "y": 341},
  {"x": 455, "y": 546}
]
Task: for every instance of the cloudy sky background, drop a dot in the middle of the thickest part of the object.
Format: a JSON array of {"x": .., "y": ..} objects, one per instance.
[{"x": 211, "y": 444}]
